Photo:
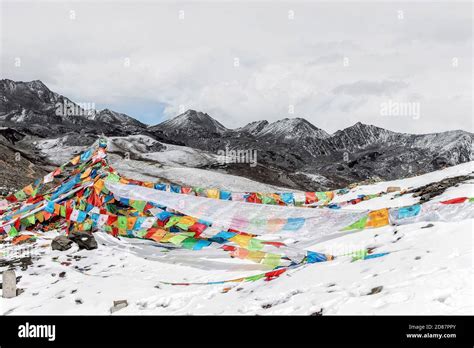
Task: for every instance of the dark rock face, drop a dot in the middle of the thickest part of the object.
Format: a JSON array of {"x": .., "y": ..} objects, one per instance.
[
  {"x": 17, "y": 168},
  {"x": 11, "y": 135},
  {"x": 31, "y": 108}
]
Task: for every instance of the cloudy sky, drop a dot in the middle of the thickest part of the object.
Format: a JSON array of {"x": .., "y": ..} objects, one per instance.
[{"x": 331, "y": 63}]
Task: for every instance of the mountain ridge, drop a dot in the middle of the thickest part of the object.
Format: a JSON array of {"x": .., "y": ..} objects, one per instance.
[{"x": 286, "y": 147}]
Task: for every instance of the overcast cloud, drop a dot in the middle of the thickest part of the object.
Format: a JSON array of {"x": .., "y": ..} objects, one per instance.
[{"x": 333, "y": 63}]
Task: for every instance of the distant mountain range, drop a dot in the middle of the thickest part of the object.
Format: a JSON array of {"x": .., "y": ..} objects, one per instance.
[{"x": 291, "y": 152}]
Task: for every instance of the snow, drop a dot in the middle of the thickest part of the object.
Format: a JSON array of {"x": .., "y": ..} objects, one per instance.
[
  {"x": 465, "y": 189},
  {"x": 320, "y": 179},
  {"x": 177, "y": 164},
  {"x": 429, "y": 271},
  {"x": 293, "y": 128}
]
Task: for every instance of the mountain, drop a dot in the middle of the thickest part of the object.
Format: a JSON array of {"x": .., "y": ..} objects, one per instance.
[
  {"x": 116, "y": 118},
  {"x": 191, "y": 123},
  {"x": 290, "y": 152},
  {"x": 18, "y": 167},
  {"x": 192, "y": 126},
  {"x": 34, "y": 109},
  {"x": 295, "y": 153},
  {"x": 289, "y": 129}
]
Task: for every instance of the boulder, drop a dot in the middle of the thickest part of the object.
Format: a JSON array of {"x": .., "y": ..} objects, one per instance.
[
  {"x": 61, "y": 243},
  {"x": 84, "y": 240}
]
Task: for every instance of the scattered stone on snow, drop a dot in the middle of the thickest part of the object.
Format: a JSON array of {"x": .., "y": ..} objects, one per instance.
[
  {"x": 375, "y": 290},
  {"x": 393, "y": 189},
  {"x": 428, "y": 226},
  {"x": 431, "y": 190},
  {"x": 118, "y": 305}
]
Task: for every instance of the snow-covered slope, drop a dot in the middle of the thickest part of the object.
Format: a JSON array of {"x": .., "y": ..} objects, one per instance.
[
  {"x": 428, "y": 271},
  {"x": 143, "y": 158}
]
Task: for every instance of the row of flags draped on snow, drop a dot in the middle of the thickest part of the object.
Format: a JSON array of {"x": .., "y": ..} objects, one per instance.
[{"x": 82, "y": 200}]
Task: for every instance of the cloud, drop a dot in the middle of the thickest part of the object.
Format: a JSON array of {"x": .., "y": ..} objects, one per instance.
[
  {"x": 378, "y": 88},
  {"x": 191, "y": 63}
]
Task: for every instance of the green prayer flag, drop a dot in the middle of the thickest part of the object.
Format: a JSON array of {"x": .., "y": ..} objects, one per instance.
[
  {"x": 359, "y": 254},
  {"x": 178, "y": 239},
  {"x": 140, "y": 233},
  {"x": 321, "y": 196},
  {"x": 20, "y": 195},
  {"x": 358, "y": 225},
  {"x": 31, "y": 219},
  {"x": 138, "y": 205},
  {"x": 271, "y": 260},
  {"x": 113, "y": 177},
  {"x": 13, "y": 232},
  {"x": 268, "y": 200},
  {"x": 122, "y": 222},
  {"x": 255, "y": 277},
  {"x": 255, "y": 244},
  {"x": 189, "y": 243},
  {"x": 172, "y": 221}
]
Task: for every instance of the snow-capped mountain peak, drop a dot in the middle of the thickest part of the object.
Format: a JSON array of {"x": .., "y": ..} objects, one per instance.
[
  {"x": 293, "y": 128},
  {"x": 192, "y": 119},
  {"x": 253, "y": 128},
  {"x": 110, "y": 116}
]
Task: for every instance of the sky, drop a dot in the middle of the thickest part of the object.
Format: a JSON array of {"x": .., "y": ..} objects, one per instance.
[{"x": 402, "y": 66}]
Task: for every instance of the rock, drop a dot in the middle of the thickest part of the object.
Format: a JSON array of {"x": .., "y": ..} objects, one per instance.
[
  {"x": 84, "y": 240},
  {"x": 393, "y": 189},
  {"x": 9, "y": 284},
  {"x": 61, "y": 243},
  {"x": 375, "y": 290},
  {"x": 428, "y": 226},
  {"x": 62, "y": 274},
  {"x": 427, "y": 192},
  {"x": 118, "y": 305},
  {"x": 318, "y": 314},
  {"x": 22, "y": 262}
]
